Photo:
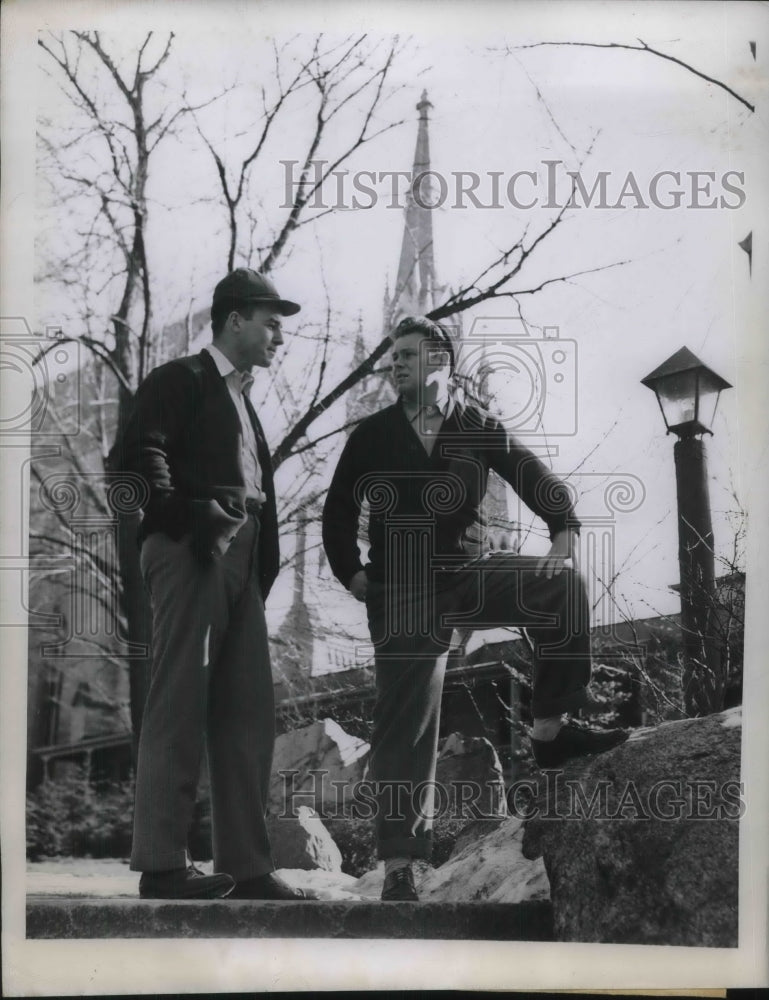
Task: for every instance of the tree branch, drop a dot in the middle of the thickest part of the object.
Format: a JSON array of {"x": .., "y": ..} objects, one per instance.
[{"x": 643, "y": 47}]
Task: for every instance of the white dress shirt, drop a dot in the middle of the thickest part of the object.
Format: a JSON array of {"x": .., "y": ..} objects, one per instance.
[
  {"x": 428, "y": 419},
  {"x": 239, "y": 384}
]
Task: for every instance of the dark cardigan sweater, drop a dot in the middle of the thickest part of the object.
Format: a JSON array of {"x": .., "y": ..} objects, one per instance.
[
  {"x": 183, "y": 439},
  {"x": 406, "y": 488}
]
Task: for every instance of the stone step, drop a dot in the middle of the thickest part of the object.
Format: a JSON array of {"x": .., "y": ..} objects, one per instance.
[{"x": 54, "y": 917}]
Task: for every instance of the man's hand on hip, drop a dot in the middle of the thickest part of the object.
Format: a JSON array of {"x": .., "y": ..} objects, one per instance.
[
  {"x": 564, "y": 546},
  {"x": 359, "y": 585}
]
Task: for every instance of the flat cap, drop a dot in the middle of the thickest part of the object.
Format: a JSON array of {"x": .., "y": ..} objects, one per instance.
[{"x": 245, "y": 285}]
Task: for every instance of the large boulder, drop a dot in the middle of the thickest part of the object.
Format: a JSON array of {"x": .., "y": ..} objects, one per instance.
[
  {"x": 469, "y": 777},
  {"x": 641, "y": 843},
  {"x": 303, "y": 842},
  {"x": 317, "y": 766}
]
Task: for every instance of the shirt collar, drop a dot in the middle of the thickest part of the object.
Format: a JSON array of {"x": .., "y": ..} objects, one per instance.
[
  {"x": 444, "y": 406},
  {"x": 226, "y": 368}
]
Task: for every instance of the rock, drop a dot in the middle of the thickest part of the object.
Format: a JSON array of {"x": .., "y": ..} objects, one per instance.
[
  {"x": 317, "y": 766},
  {"x": 303, "y": 842},
  {"x": 370, "y": 885},
  {"x": 652, "y": 859},
  {"x": 488, "y": 866},
  {"x": 324, "y": 884},
  {"x": 470, "y": 775},
  {"x": 473, "y": 832}
]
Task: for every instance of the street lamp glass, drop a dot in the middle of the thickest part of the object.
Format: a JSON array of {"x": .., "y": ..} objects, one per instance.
[
  {"x": 687, "y": 392},
  {"x": 709, "y": 392},
  {"x": 678, "y": 398}
]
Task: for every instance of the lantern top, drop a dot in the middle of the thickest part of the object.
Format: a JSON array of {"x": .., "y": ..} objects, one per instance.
[
  {"x": 687, "y": 392},
  {"x": 684, "y": 361}
]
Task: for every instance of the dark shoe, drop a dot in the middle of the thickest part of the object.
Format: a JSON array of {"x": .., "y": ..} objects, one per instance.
[
  {"x": 573, "y": 741},
  {"x": 184, "y": 883},
  {"x": 269, "y": 886},
  {"x": 399, "y": 886}
]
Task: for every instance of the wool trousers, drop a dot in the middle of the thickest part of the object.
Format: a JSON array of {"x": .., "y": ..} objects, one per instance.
[
  {"x": 211, "y": 689},
  {"x": 411, "y": 627}
]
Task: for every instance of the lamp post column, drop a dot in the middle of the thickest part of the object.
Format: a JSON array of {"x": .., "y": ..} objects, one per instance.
[{"x": 703, "y": 683}]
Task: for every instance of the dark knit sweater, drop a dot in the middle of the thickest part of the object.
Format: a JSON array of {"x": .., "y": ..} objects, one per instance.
[
  {"x": 438, "y": 495},
  {"x": 183, "y": 439}
]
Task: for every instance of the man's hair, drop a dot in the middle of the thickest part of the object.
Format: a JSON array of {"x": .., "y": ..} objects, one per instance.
[
  {"x": 221, "y": 310},
  {"x": 432, "y": 332}
]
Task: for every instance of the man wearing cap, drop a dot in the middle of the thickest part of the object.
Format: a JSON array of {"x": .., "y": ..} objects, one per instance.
[
  {"x": 422, "y": 466},
  {"x": 209, "y": 556}
]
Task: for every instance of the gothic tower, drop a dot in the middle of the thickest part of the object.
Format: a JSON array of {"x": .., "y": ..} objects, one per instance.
[
  {"x": 417, "y": 292},
  {"x": 415, "y": 286}
]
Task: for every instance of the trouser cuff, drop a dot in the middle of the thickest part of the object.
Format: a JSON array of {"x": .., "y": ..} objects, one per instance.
[
  {"x": 405, "y": 847},
  {"x": 159, "y": 862},
  {"x": 246, "y": 874},
  {"x": 542, "y": 708}
]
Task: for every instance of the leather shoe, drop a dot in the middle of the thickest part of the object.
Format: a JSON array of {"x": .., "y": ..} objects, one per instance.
[
  {"x": 399, "y": 886},
  {"x": 184, "y": 883},
  {"x": 574, "y": 741},
  {"x": 270, "y": 886}
]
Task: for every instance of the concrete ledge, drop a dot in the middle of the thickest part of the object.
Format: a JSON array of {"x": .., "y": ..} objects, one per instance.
[{"x": 52, "y": 917}]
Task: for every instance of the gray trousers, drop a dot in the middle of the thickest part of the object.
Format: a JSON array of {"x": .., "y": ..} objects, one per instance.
[
  {"x": 412, "y": 626},
  {"x": 211, "y": 688}
]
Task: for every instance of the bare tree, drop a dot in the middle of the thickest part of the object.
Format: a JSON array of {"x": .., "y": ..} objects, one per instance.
[
  {"x": 104, "y": 165},
  {"x": 101, "y": 168},
  {"x": 337, "y": 75},
  {"x": 496, "y": 280},
  {"x": 677, "y": 685},
  {"x": 648, "y": 50}
]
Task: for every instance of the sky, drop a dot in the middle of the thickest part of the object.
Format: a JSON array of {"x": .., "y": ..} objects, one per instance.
[{"x": 657, "y": 278}]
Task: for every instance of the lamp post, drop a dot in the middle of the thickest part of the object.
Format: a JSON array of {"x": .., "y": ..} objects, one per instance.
[{"x": 687, "y": 392}]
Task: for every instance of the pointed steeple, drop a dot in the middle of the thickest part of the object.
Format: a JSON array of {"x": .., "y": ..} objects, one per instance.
[
  {"x": 372, "y": 392},
  {"x": 359, "y": 351},
  {"x": 293, "y": 649},
  {"x": 415, "y": 284}
]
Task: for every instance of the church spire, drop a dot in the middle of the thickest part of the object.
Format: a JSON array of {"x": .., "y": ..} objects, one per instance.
[
  {"x": 359, "y": 350},
  {"x": 415, "y": 284}
]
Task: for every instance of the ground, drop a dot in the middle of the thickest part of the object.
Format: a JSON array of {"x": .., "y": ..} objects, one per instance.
[{"x": 109, "y": 878}]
